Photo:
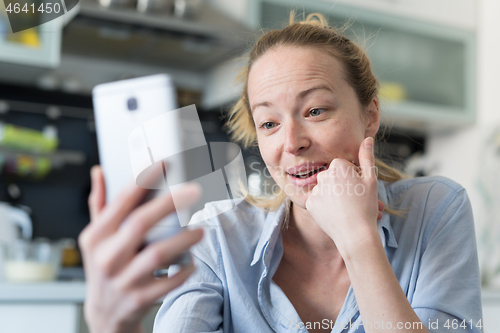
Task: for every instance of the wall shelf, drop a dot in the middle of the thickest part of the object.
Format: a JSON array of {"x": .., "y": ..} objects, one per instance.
[
  {"x": 154, "y": 39},
  {"x": 209, "y": 24}
]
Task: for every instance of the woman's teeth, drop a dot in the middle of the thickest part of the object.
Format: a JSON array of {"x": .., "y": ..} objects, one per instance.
[
  {"x": 307, "y": 174},
  {"x": 303, "y": 175}
]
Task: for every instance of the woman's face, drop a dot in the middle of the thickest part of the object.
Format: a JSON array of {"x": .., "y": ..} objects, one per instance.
[{"x": 306, "y": 115}]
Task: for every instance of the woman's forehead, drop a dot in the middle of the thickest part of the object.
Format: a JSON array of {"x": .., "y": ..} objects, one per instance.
[{"x": 293, "y": 70}]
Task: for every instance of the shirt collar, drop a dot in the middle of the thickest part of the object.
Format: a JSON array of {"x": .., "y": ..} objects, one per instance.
[
  {"x": 385, "y": 222},
  {"x": 271, "y": 228},
  {"x": 273, "y": 222}
]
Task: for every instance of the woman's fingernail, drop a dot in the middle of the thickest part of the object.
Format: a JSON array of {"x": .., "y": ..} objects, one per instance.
[{"x": 369, "y": 142}]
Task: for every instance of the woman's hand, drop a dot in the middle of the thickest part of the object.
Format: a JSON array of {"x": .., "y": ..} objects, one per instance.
[
  {"x": 120, "y": 283},
  {"x": 344, "y": 202}
]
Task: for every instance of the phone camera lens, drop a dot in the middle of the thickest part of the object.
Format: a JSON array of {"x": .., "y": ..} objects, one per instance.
[{"x": 132, "y": 104}]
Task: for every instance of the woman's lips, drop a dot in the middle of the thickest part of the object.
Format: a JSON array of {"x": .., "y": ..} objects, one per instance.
[{"x": 306, "y": 181}]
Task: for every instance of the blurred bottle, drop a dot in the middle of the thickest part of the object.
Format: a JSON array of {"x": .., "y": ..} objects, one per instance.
[{"x": 70, "y": 255}]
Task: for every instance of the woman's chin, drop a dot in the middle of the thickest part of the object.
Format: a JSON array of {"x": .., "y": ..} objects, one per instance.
[
  {"x": 299, "y": 200},
  {"x": 298, "y": 195}
]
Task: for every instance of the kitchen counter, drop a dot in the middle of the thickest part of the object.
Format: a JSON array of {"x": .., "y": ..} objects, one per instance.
[{"x": 57, "y": 291}]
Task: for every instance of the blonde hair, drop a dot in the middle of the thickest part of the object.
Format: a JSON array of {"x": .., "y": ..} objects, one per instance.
[{"x": 311, "y": 32}]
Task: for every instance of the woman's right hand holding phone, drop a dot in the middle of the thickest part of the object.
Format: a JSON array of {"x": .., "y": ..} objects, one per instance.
[{"x": 121, "y": 287}]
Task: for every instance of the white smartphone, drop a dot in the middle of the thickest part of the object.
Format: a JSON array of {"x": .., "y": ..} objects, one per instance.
[
  {"x": 141, "y": 135},
  {"x": 141, "y": 131}
]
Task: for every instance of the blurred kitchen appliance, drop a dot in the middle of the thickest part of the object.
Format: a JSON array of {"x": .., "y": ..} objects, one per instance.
[
  {"x": 12, "y": 218},
  {"x": 15, "y": 223}
]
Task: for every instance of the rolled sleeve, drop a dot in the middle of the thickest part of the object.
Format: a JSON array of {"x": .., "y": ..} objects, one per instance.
[
  {"x": 195, "y": 306},
  {"x": 447, "y": 295}
]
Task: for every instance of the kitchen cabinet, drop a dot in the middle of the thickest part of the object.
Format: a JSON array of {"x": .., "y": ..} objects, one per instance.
[
  {"x": 453, "y": 13},
  {"x": 39, "y": 46},
  {"x": 48, "y": 307},
  {"x": 41, "y": 318},
  {"x": 100, "y": 45},
  {"x": 426, "y": 71}
]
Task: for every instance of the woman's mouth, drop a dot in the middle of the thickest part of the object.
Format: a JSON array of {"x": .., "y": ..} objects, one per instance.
[
  {"x": 307, "y": 173},
  {"x": 306, "y": 177}
]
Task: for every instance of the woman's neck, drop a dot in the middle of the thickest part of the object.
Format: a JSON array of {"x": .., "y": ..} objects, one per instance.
[{"x": 303, "y": 232}]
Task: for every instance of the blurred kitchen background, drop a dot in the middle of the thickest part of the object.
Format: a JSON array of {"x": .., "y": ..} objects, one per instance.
[{"x": 437, "y": 62}]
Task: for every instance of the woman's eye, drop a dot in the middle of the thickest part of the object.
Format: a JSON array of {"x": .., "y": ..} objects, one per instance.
[
  {"x": 268, "y": 125},
  {"x": 316, "y": 112}
]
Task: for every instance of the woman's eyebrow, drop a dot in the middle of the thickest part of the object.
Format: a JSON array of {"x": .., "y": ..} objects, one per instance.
[
  {"x": 266, "y": 104},
  {"x": 301, "y": 95},
  {"x": 304, "y": 93}
]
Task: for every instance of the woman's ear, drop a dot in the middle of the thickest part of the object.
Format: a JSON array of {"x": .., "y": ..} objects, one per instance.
[{"x": 372, "y": 118}]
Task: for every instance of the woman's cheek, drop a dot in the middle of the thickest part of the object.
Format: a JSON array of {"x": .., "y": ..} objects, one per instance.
[{"x": 278, "y": 175}]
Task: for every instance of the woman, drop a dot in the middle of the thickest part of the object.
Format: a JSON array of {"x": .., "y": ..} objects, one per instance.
[{"x": 319, "y": 255}]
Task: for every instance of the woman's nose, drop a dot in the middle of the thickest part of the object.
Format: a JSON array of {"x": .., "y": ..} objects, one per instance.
[{"x": 296, "y": 139}]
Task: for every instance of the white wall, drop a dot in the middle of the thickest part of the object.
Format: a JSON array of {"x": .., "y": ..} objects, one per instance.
[
  {"x": 455, "y": 13},
  {"x": 461, "y": 155}
]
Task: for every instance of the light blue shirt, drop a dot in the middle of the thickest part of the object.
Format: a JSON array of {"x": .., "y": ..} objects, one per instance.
[{"x": 432, "y": 252}]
